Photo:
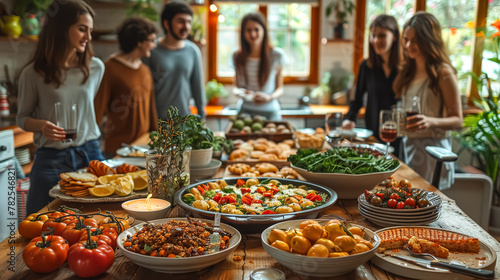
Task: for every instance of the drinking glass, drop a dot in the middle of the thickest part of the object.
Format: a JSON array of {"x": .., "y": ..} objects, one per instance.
[
  {"x": 413, "y": 109},
  {"x": 66, "y": 118},
  {"x": 333, "y": 127},
  {"x": 388, "y": 126}
]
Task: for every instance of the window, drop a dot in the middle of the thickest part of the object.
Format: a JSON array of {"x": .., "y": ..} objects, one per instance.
[
  {"x": 457, "y": 18},
  {"x": 290, "y": 27}
]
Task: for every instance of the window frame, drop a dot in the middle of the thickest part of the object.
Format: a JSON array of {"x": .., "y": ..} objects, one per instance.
[{"x": 314, "y": 55}]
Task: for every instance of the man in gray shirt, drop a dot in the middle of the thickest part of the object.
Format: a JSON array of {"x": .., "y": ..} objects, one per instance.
[{"x": 176, "y": 64}]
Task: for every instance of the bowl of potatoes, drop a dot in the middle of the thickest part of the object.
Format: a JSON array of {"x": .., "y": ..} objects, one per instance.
[{"x": 320, "y": 247}]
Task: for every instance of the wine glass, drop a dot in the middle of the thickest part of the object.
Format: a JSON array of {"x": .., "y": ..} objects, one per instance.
[
  {"x": 333, "y": 127},
  {"x": 388, "y": 126}
]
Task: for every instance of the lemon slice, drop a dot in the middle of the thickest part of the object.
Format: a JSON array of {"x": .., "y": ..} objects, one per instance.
[
  {"x": 140, "y": 182},
  {"x": 123, "y": 185},
  {"x": 102, "y": 190},
  {"x": 106, "y": 179}
]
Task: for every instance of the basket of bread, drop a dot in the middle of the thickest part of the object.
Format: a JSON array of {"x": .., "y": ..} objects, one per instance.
[{"x": 311, "y": 139}]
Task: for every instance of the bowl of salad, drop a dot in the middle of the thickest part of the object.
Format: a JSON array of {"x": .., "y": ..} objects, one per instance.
[
  {"x": 253, "y": 204},
  {"x": 347, "y": 170}
]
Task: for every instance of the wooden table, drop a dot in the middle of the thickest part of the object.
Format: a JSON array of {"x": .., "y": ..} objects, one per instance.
[{"x": 250, "y": 249}]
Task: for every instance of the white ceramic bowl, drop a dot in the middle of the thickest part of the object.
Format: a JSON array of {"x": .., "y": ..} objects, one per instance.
[
  {"x": 318, "y": 267},
  {"x": 347, "y": 186},
  {"x": 178, "y": 265},
  {"x": 200, "y": 158},
  {"x": 160, "y": 208},
  {"x": 206, "y": 172}
]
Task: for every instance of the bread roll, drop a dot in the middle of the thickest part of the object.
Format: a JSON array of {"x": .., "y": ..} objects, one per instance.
[{"x": 239, "y": 154}]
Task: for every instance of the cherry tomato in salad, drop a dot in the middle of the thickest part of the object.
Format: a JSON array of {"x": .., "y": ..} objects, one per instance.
[
  {"x": 392, "y": 203},
  {"x": 400, "y": 205},
  {"x": 410, "y": 202}
]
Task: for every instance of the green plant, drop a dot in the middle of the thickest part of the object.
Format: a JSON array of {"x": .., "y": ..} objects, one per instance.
[
  {"x": 142, "y": 8},
  {"x": 342, "y": 8},
  {"x": 201, "y": 137},
  {"x": 214, "y": 89},
  {"x": 481, "y": 132},
  {"x": 323, "y": 89},
  {"x": 23, "y": 7},
  {"x": 170, "y": 138}
]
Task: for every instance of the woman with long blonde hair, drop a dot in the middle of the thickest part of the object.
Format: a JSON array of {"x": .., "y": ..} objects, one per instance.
[{"x": 427, "y": 73}]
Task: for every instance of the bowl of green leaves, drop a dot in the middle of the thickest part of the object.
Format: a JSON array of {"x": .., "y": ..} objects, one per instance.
[{"x": 347, "y": 170}]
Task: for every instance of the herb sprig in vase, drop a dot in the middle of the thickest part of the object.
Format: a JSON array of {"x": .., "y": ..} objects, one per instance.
[{"x": 168, "y": 162}]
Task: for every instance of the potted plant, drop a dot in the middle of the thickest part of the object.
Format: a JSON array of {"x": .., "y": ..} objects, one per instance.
[
  {"x": 322, "y": 92},
  {"x": 168, "y": 160},
  {"x": 339, "y": 9},
  {"x": 203, "y": 142},
  {"x": 214, "y": 91},
  {"x": 481, "y": 133}
]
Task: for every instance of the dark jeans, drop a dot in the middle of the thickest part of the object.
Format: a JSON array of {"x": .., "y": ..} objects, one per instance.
[{"x": 50, "y": 163}]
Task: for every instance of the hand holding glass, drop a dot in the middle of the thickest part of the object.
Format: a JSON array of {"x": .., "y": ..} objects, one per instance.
[
  {"x": 333, "y": 127},
  {"x": 388, "y": 126},
  {"x": 66, "y": 118}
]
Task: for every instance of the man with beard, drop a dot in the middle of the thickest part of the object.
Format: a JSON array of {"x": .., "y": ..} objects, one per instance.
[{"x": 176, "y": 64}]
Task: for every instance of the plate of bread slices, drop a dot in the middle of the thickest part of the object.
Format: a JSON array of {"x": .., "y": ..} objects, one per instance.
[{"x": 445, "y": 245}]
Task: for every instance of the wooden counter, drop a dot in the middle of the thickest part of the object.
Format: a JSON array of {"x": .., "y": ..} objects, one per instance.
[
  {"x": 318, "y": 111},
  {"x": 250, "y": 250}
]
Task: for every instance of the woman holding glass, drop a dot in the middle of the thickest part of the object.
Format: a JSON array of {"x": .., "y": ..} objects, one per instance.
[
  {"x": 376, "y": 75},
  {"x": 63, "y": 70},
  {"x": 258, "y": 65},
  {"x": 427, "y": 73}
]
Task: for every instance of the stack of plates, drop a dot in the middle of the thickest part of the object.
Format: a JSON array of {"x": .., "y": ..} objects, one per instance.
[
  {"x": 401, "y": 217},
  {"x": 23, "y": 155}
]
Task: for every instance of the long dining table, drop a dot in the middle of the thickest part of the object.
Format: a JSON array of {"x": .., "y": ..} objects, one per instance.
[{"x": 250, "y": 254}]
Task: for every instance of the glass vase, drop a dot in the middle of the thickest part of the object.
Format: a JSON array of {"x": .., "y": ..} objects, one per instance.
[{"x": 166, "y": 174}]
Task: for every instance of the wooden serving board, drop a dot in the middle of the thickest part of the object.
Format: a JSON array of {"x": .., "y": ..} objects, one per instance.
[{"x": 277, "y": 137}]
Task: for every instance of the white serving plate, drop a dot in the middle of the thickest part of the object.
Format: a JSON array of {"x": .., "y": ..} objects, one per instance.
[
  {"x": 319, "y": 267},
  {"x": 178, "y": 265},
  {"x": 347, "y": 186},
  {"x": 205, "y": 172},
  {"x": 485, "y": 259},
  {"x": 125, "y": 151}
]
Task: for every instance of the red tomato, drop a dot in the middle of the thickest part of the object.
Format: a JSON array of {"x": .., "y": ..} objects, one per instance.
[
  {"x": 244, "y": 191},
  {"x": 202, "y": 190},
  {"x": 58, "y": 224},
  {"x": 268, "y": 193},
  {"x": 394, "y": 196},
  {"x": 268, "y": 212},
  {"x": 381, "y": 195},
  {"x": 257, "y": 201},
  {"x": 217, "y": 197},
  {"x": 261, "y": 189},
  {"x": 392, "y": 203},
  {"x": 109, "y": 222},
  {"x": 400, "y": 205},
  {"x": 410, "y": 202},
  {"x": 246, "y": 200},
  {"x": 107, "y": 235},
  {"x": 310, "y": 195},
  {"x": 317, "y": 197},
  {"x": 275, "y": 190},
  {"x": 205, "y": 187},
  {"x": 31, "y": 227},
  {"x": 45, "y": 253},
  {"x": 240, "y": 182},
  {"x": 89, "y": 259}
]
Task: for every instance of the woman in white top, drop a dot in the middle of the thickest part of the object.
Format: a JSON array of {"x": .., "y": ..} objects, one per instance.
[
  {"x": 258, "y": 65},
  {"x": 427, "y": 72},
  {"x": 63, "y": 70}
]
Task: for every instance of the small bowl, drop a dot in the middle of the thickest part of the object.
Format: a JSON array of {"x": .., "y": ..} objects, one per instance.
[
  {"x": 138, "y": 209},
  {"x": 319, "y": 267},
  {"x": 205, "y": 172}
]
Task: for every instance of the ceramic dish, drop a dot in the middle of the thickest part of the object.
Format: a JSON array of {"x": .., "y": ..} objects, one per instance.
[
  {"x": 125, "y": 151},
  {"x": 178, "y": 265},
  {"x": 319, "y": 267},
  {"x": 381, "y": 221},
  {"x": 485, "y": 259},
  {"x": 347, "y": 186},
  {"x": 400, "y": 217},
  {"x": 257, "y": 223},
  {"x": 205, "y": 172},
  {"x": 434, "y": 199}
]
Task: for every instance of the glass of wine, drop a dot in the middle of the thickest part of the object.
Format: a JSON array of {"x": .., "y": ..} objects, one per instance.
[
  {"x": 333, "y": 127},
  {"x": 388, "y": 126},
  {"x": 414, "y": 109}
]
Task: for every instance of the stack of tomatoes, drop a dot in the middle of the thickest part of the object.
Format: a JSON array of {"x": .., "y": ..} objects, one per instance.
[
  {"x": 61, "y": 235},
  {"x": 397, "y": 194}
]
